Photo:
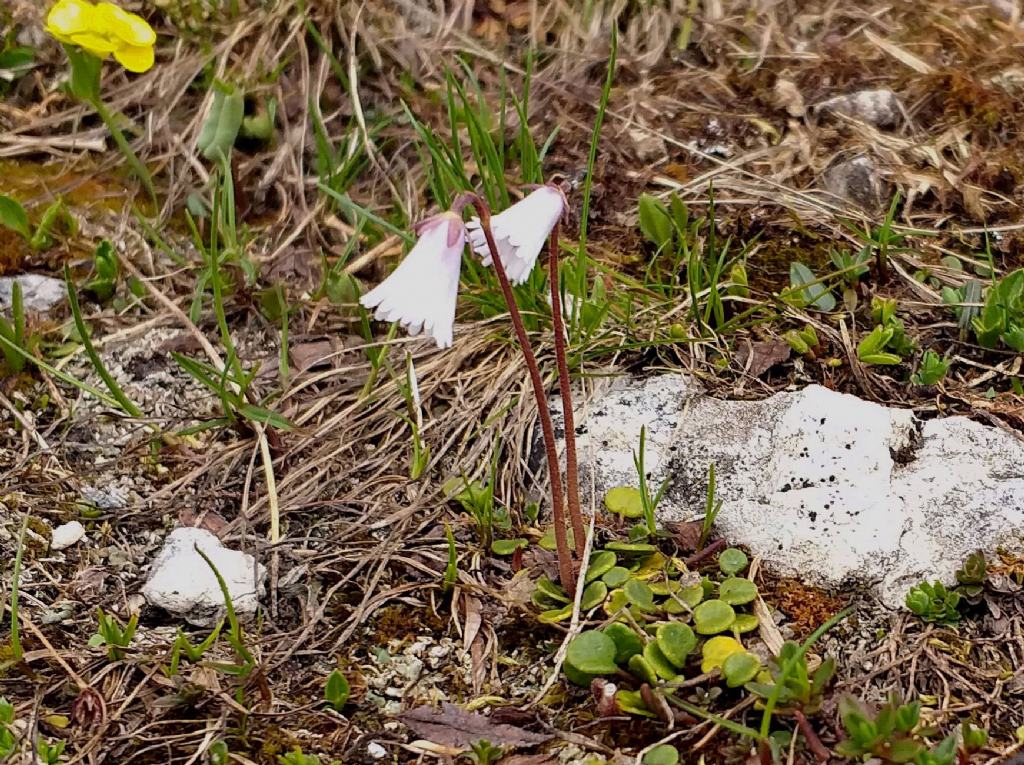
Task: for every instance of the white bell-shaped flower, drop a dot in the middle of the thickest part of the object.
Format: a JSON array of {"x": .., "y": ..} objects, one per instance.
[
  {"x": 421, "y": 293},
  {"x": 520, "y": 232}
]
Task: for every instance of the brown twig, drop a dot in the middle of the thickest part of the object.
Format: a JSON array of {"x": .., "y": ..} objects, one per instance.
[
  {"x": 813, "y": 742},
  {"x": 565, "y": 389},
  {"x": 707, "y": 552},
  {"x": 565, "y": 564}
]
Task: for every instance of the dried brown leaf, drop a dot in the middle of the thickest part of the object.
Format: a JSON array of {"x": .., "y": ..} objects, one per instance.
[
  {"x": 454, "y": 726},
  {"x": 757, "y": 358}
]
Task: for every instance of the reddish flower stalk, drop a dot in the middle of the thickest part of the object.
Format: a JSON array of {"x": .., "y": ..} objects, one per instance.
[
  {"x": 565, "y": 389},
  {"x": 566, "y": 574}
]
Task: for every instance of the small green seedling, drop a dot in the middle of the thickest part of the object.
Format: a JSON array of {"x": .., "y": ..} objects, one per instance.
[
  {"x": 971, "y": 577},
  {"x": 932, "y": 370},
  {"x": 934, "y": 603},
  {"x": 111, "y": 634},
  {"x": 14, "y": 217},
  {"x": 336, "y": 690},
  {"x": 194, "y": 653},
  {"x": 1002, "y": 317},
  {"x": 485, "y": 753},
  {"x": 8, "y": 742},
  {"x": 49, "y": 753},
  {"x": 296, "y": 757},
  {"x": 803, "y": 341},
  {"x": 106, "y": 269},
  {"x": 15, "y": 341}
]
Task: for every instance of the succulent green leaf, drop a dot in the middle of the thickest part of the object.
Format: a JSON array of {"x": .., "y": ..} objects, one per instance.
[
  {"x": 662, "y": 667},
  {"x": 745, "y": 623},
  {"x": 712, "y": 617},
  {"x": 592, "y": 652},
  {"x": 736, "y": 591},
  {"x": 616, "y": 576},
  {"x": 639, "y": 594},
  {"x": 627, "y": 642},
  {"x": 593, "y": 595},
  {"x": 642, "y": 668},
  {"x": 625, "y": 501},
  {"x": 508, "y": 546},
  {"x": 740, "y": 668},
  {"x": 601, "y": 563},
  {"x": 676, "y": 641},
  {"x": 662, "y": 754},
  {"x": 732, "y": 561}
]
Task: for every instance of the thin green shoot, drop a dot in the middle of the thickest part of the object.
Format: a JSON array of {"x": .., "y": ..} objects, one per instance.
[
  {"x": 451, "y": 570},
  {"x": 787, "y": 669},
  {"x": 580, "y": 271},
  {"x": 123, "y": 402},
  {"x": 17, "y": 652},
  {"x": 648, "y": 502},
  {"x": 235, "y": 636},
  {"x": 712, "y": 508},
  {"x": 194, "y": 653}
]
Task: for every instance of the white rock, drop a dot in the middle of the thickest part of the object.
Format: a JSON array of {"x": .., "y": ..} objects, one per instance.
[
  {"x": 376, "y": 751},
  {"x": 880, "y": 108},
  {"x": 39, "y": 293},
  {"x": 823, "y": 485},
  {"x": 66, "y": 535},
  {"x": 182, "y": 583}
]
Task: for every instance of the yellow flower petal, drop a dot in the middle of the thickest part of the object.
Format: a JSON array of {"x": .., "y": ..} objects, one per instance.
[
  {"x": 93, "y": 43},
  {"x": 127, "y": 27},
  {"x": 135, "y": 58},
  {"x": 69, "y": 17}
]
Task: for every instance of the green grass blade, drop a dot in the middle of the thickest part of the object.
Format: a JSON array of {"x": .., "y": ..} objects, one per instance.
[{"x": 122, "y": 400}]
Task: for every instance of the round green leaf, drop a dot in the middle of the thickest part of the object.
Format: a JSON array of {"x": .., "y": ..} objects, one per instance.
[
  {"x": 662, "y": 667},
  {"x": 624, "y": 501},
  {"x": 594, "y": 595},
  {"x": 616, "y": 602},
  {"x": 745, "y": 623},
  {"x": 662, "y": 754},
  {"x": 576, "y": 676},
  {"x": 592, "y": 652},
  {"x": 712, "y": 617},
  {"x": 616, "y": 576},
  {"x": 627, "y": 642},
  {"x": 740, "y": 668},
  {"x": 631, "y": 548},
  {"x": 732, "y": 561},
  {"x": 736, "y": 591},
  {"x": 676, "y": 640},
  {"x": 601, "y": 563},
  {"x": 508, "y": 546},
  {"x": 639, "y": 594},
  {"x": 548, "y": 540},
  {"x": 642, "y": 668}
]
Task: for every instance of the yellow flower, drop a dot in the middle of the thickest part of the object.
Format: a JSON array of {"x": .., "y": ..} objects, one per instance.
[{"x": 102, "y": 30}]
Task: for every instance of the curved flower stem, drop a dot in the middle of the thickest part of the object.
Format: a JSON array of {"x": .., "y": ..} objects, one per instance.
[
  {"x": 565, "y": 563},
  {"x": 572, "y": 478}
]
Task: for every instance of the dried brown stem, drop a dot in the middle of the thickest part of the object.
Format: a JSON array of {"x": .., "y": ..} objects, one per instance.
[
  {"x": 813, "y": 742},
  {"x": 565, "y": 389},
  {"x": 565, "y": 564}
]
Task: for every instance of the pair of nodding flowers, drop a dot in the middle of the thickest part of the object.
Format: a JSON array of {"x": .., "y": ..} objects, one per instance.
[{"x": 421, "y": 293}]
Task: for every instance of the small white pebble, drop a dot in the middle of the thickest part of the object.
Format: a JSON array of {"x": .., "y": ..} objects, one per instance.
[
  {"x": 376, "y": 751},
  {"x": 66, "y": 535}
]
